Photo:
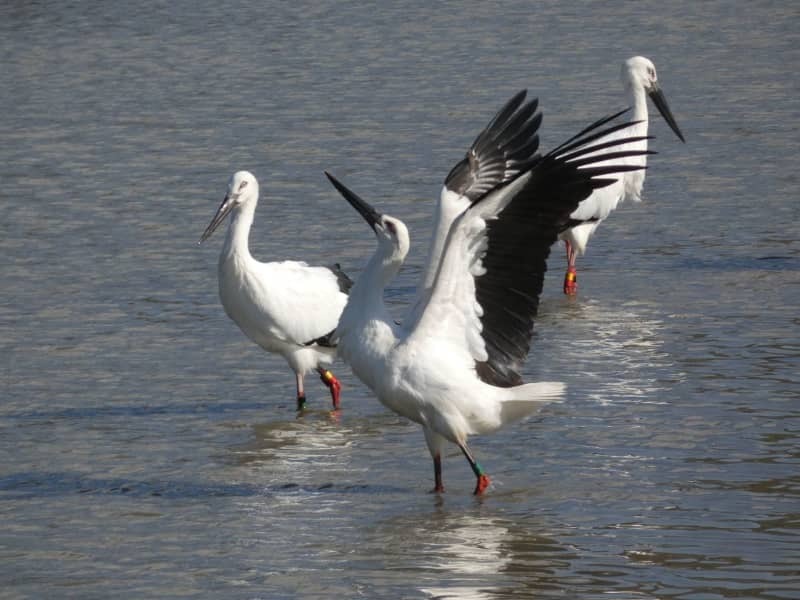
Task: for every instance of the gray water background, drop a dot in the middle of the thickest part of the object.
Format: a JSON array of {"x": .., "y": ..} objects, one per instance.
[{"x": 148, "y": 450}]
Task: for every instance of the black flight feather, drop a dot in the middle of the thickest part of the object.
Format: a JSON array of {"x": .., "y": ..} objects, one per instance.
[
  {"x": 345, "y": 283},
  {"x": 503, "y": 150},
  {"x": 520, "y": 238}
]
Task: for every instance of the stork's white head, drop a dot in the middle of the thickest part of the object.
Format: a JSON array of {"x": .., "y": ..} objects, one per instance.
[
  {"x": 392, "y": 237},
  {"x": 639, "y": 75},
  {"x": 242, "y": 191},
  {"x": 640, "y": 72},
  {"x": 242, "y": 187}
]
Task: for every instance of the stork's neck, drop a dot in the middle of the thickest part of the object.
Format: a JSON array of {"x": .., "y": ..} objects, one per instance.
[
  {"x": 366, "y": 308},
  {"x": 633, "y": 181},
  {"x": 366, "y": 331},
  {"x": 236, "y": 242},
  {"x": 369, "y": 288},
  {"x": 637, "y": 99}
]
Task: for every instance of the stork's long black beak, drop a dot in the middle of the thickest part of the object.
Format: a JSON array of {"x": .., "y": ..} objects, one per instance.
[
  {"x": 658, "y": 98},
  {"x": 222, "y": 212},
  {"x": 364, "y": 208}
]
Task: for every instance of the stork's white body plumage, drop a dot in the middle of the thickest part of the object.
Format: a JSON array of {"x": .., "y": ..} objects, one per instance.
[
  {"x": 639, "y": 80},
  {"x": 424, "y": 369},
  {"x": 266, "y": 300},
  {"x": 285, "y": 307},
  {"x": 453, "y": 364}
]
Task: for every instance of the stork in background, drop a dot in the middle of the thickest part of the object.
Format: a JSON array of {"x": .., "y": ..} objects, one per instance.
[
  {"x": 639, "y": 81},
  {"x": 289, "y": 307}
]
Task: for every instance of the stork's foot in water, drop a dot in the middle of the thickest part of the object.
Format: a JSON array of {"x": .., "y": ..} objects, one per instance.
[
  {"x": 571, "y": 282},
  {"x": 483, "y": 480},
  {"x": 301, "y": 403},
  {"x": 482, "y": 484},
  {"x": 333, "y": 385}
]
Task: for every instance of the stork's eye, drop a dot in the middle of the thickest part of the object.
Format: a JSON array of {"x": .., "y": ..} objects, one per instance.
[
  {"x": 242, "y": 185},
  {"x": 651, "y": 72},
  {"x": 391, "y": 228}
]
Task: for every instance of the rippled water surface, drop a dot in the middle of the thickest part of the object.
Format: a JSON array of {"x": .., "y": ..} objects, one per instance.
[{"x": 148, "y": 450}]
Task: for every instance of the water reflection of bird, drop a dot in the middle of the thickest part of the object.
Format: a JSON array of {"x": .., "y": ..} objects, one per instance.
[
  {"x": 289, "y": 307},
  {"x": 639, "y": 81},
  {"x": 625, "y": 342},
  {"x": 453, "y": 366},
  {"x": 469, "y": 554}
]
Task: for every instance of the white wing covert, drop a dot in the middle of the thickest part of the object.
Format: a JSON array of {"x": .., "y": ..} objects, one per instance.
[{"x": 316, "y": 293}]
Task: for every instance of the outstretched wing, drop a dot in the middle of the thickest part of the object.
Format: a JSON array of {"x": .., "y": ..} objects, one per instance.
[
  {"x": 505, "y": 148},
  {"x": 486, "y": 291},
  {"x": 604, "y": 200},
  {"x": 501, "y": 151}
]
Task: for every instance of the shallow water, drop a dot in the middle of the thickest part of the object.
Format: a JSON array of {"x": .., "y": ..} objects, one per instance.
[{"x": 149, "y": 450}]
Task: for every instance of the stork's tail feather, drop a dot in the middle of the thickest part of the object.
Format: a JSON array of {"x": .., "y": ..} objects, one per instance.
[{"x": 524, "y": 400}]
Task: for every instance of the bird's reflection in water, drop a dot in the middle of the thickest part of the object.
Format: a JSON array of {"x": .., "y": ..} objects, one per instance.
[
  {"x": 468, "y": 551},
  {"x": 289, "y": 448},
  {"x": 468, "y": 555},
  {"x": 619, "y": 349}
]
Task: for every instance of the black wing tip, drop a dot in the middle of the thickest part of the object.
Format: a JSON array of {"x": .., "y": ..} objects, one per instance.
[
  {"x": 326, "y": 341},
  {"x": 597, "y": 124},
  {"x": 519, "y": 96},
  {"x": 578, "y": 144},
  {"x": 493, "y": 373},
  {"x": 500, "y": 151},
  {"x": 344, "y": 281}
]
